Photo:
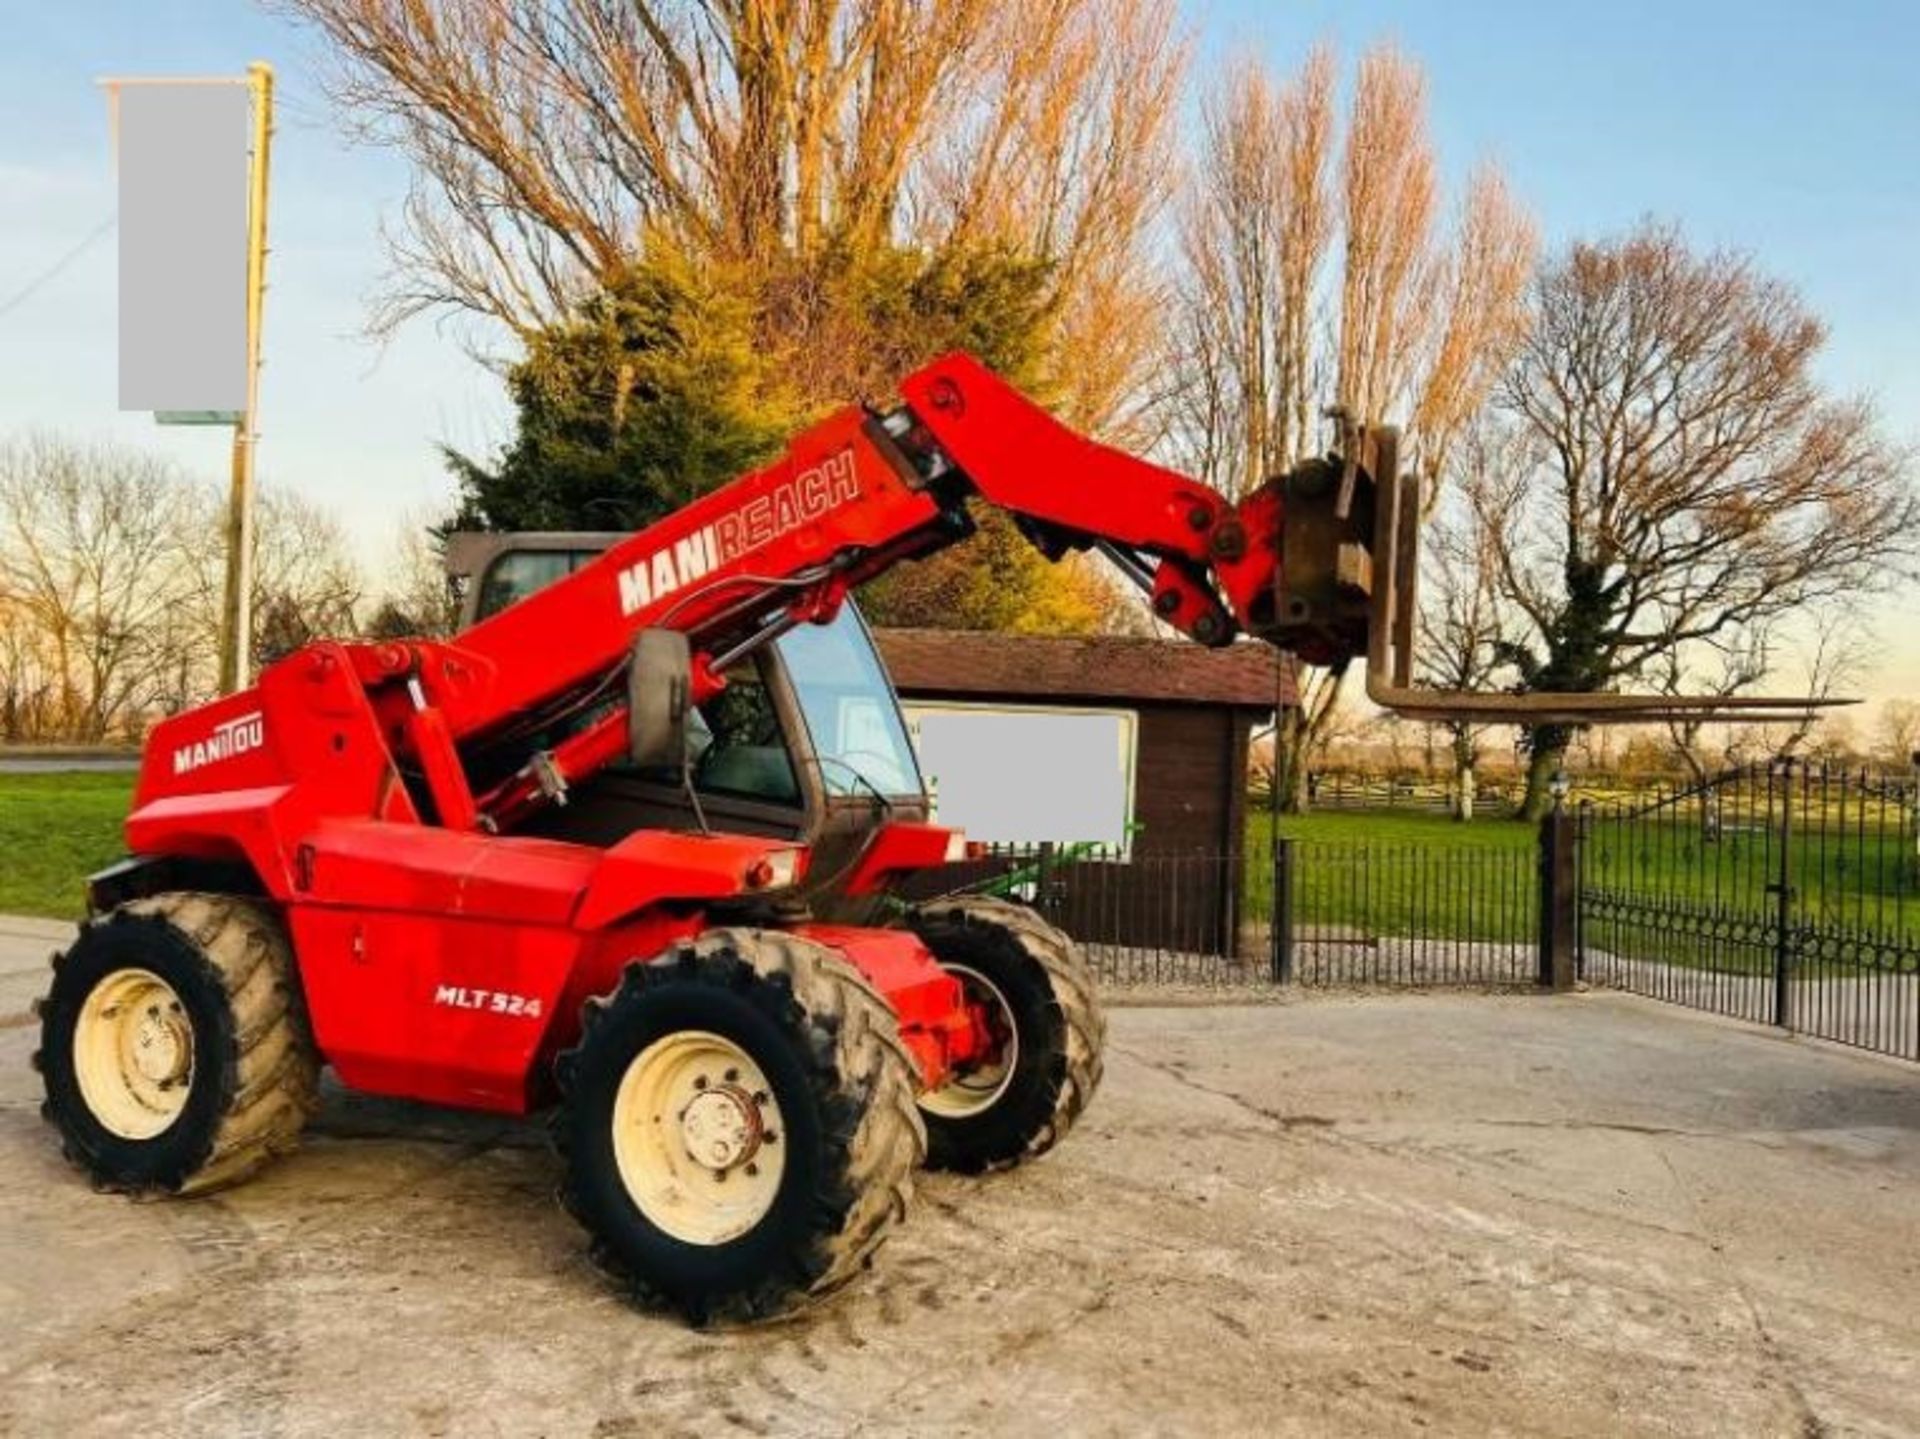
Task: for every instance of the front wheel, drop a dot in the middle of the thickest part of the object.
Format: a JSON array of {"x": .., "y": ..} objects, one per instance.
[
  {"x": 738, "y": 1125},
  {"x": 173, "y": 1046},
  {"x": 1031, "y": 985}
]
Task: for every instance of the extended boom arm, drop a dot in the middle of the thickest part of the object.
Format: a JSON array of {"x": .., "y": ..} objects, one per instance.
[{"x": 1321, "y": 562}]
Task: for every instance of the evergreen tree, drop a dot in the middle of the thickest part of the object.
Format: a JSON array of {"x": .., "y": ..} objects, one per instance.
[{"x": 675, "y": 380}]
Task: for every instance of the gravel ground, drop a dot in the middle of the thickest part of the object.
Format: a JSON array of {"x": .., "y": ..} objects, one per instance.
[
  {"x": 1879, "y": 1011},
  {"x": 1319, "y": 960},
  {"x": 1407, "y": 1213}
]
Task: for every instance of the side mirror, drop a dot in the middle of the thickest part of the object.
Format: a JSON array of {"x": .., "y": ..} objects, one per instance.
[{"x": 659, "y": 684}]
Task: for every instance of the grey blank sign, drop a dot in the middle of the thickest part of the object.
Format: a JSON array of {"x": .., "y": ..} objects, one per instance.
[
  {"x": 1024, "y": 776},
  {"x": 183, "y": 247}
]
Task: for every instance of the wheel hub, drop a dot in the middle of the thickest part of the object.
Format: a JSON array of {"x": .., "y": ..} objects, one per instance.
[
  {"x": 982, "y": 1084},
  {"x": 133, "y": 1053},
  {"x": 721, "y": 1128},
  {"x": 698, "y": 1136},
  {"x": 161, "y": 1048}
]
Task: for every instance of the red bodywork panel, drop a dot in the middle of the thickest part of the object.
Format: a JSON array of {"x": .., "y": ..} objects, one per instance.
[
  {"x": 469, "y": 1010},
  {"x": 446, "y": 958},
  {"x": 443, "y": 966},
  {"x": 439, "y": 965},
  {"x": 927, "y": 1001},
  {"x": 897, "y": 848}
]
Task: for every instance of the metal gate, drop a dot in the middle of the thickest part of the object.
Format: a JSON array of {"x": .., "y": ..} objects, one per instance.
[{"x": 1788, "y": 894}]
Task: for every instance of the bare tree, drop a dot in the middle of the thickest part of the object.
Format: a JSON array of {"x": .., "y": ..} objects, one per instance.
[
  {"x": 28, "y": 693},
  {"x": 1256, "y": 225},
  {"x": 1737, "y": 665},
  {"x": 1898, "y": 733},
  {"x": 1465, "y": 620},
  {"x": 415, "y": 596},
  {"x": 1828, "y": 663},
  {"x": 110, "y": 587},
  {"x": 1390, "y": 201},
  {"x": 1835, "y": 740},
  {"x": 550, "y": 139},
  {"x": 86, "y": 552},
  {"x": 1480, "y": 289},
  {"x": 1687, "y": 479},
  {"x": 1062, "y": 148},
  {"x": 1316, "y": 270},
  {"x": 305, "y": 584}
]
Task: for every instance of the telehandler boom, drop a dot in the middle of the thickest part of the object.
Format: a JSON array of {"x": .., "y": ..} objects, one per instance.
[{"x": 619, "y": 848}]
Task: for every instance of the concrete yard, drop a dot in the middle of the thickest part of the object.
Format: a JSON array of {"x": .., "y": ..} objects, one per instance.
[{"x": 1386, "y": 1214}]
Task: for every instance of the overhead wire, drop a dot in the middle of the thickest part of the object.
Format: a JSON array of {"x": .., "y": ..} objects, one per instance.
[{"x": 52, "y": 272}]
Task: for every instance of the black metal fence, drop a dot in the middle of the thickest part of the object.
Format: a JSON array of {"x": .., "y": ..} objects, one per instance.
[
  {"x": 1407, "y": 914},
  {"x": 1347, "y": 913},
  {"x": 1786, "y": 894},
  {"x": 1143, "y": 919}
]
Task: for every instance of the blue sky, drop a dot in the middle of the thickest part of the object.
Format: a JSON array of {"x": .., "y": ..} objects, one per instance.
[{"x": 1789, "y": 130}]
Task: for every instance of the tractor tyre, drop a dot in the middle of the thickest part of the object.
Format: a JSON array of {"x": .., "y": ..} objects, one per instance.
[
  {"x": 738, "y": 1126},
  {"x": 174, "y": 1047},
  {"x": 1034, "y": 983}
]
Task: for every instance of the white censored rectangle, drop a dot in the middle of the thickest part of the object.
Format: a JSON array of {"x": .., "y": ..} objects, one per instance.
[
  {"x": 1024, "y": 775},
  {"x": 183, "y": 247}
]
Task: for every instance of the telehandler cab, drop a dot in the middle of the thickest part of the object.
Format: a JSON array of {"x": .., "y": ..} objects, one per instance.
[{"x": 621, "y": 849}]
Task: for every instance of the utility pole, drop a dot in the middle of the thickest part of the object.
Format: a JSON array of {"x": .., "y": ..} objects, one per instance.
[{"x": 236, "y": 623}]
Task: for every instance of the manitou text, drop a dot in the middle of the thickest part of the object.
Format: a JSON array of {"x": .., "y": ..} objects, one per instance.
[{"x": 229, "y": 738}]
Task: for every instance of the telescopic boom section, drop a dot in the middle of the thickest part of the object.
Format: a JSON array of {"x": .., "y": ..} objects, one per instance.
[{"x": 1320, "y": 562}]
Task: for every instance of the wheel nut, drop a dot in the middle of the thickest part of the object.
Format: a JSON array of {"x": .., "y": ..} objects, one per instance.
[
  {"x": 760, "y": 1097},
  {"x": 752, "y": 1169},
  {"x": 732, "y": 1075},
  {"x": 769, "y": 1138},
  {"x": 699, "y": 1081}
]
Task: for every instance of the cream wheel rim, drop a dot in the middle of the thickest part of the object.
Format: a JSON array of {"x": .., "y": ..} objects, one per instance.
[
  {"x": 133, "y": 1053},
  {"x": 980, "y": 1087},
  {"x": 698, "y": 1137}
]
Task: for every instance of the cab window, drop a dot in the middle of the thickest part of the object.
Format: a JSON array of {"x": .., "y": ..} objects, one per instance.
[
  {"x": 850, "y": 709},
  {"x": 737, "y": 745},
  {"x": 515, "y": 575}
]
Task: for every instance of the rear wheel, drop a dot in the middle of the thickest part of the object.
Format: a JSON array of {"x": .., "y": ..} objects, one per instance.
[
  {"x": 1031, "y": 986},
  {"x": 173, "y": 1047},
  {"x": 738, "y": 1125}
]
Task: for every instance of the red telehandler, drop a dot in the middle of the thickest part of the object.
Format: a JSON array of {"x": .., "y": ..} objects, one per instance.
[{"x": 624, "y": 849}]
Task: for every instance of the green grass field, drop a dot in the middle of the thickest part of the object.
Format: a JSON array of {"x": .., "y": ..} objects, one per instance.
[
  {"x": 1389, "y": 828},
  {"x": 1673, "y": 893},
  {"x": 1401, "y": 874},
  {"x": 55, "y": 830}
]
